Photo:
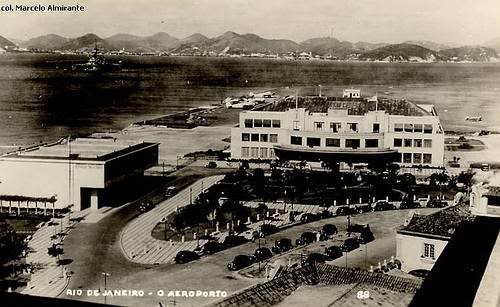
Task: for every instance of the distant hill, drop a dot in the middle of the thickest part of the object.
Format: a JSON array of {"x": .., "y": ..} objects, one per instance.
[
  {"x": 430, "y": 45},
  {"x": 470, "y": 53},
  {"x": 6, "y": 43},
  {"x": 46, "y": 42},
  {"x": 328, "y": 46},
  {"x": 157, "y": 42},
  {"x": 401, "y": 52},
  {"x": 232, "y": 42},
  {"x": 86, "y": 42}
]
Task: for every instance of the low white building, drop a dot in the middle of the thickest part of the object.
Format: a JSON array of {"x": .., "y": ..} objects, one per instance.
[
  {"x": 422, "y": 239},
  {"x": 352, "y": 130},
  {"x": 84, "y": 173},
  {"x": 485, "y": 200}
]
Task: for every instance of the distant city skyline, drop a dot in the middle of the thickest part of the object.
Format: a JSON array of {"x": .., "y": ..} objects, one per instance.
[{"x": 390, "y": 21}]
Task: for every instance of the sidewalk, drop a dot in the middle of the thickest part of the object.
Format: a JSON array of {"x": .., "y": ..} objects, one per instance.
[
  {"x": 136, "y": 241},
  {"x": 48, "y": 279}
]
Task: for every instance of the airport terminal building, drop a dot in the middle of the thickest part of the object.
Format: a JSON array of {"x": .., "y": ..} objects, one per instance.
[
  {"x": 83, "y": 173},
  {"x": 341, "y": 129}
]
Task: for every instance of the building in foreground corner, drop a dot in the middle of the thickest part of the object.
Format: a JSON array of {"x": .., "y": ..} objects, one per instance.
[
  {"x": 341, "y": 129},
  {"x": 84, "y": 173}
]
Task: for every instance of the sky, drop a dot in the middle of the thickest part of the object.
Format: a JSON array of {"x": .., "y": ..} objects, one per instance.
[{"x": 390, "y": 21}]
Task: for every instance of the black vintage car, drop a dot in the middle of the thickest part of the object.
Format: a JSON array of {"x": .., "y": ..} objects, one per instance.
[
  {"x": 436, "y": 203},
  {"x": 409, "y": 204},
  {"x": 186, "y": 256},
  {"x": 239, "y": 262},
  {"x": 309, "y": 217},
  {"x": 346, "y": 210},
  {"x": 315, "y": 257},
  {"x": 383, "y": 205},
  {"x": 366, "y": 237},
  {"x": 349, "y": 245},
  {"x": 231, "y": 241},
  {"x": 262, "y": 254},
  {"x": 329, "y": 229},
  {"x": 212, "y": 247},
  {"x": 333, "y": 252},
  {"x": 282, "y": 245},
  {"x": 306, "y": 238},
  {"x": 268, "y": 229}
]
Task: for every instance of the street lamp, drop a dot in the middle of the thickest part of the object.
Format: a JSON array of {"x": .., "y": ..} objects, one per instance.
[
  {"x": 105, "y": 284},
  {"x": 164, "y": 220}
]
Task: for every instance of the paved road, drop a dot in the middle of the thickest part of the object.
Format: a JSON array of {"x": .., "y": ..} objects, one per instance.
[{"x": 95, "y": 248}]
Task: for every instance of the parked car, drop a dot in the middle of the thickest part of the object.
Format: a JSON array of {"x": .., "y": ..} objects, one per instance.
[
  {"x": 364, "y": 208},
  {"x": 250, "y": 234},
  {"x": 239, "y": 262},
  {"x": 282, "y": 245},
  {"x": 309, "y": 217},
  {"x": 409, "y": 204},
  {"x": 315, "y": 257},
  {"x": 333, "y": 252},
  {"x": 306, "y": 238},
  {"x": 186, "y": 256},
  {"x": 211, "y": 164},
  {"x": 420, "y": 273},
  {"x": 212, "y": 247},
  {"x": 268, "y": 229},
  {"x": 325, "y": 214},
  {"x": 349, "y": 245},
  {"x": 169, "y": 191},
  {"x": 436, "y": 203},
  {"x": 231, "y": 241},
  {"x": 358, "y": 228},
  {"x": 329, "y": 229},
  {"x": 262, "y": 254},
  {"x": 383, "y": 205},
  {"x": 346, "y": 210},
  {"x": 146, "y": 206},
  {"x": 366, "y": 237}
]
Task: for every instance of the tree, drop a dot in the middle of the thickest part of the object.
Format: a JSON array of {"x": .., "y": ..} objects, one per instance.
[{"x": 11, "y": 244}]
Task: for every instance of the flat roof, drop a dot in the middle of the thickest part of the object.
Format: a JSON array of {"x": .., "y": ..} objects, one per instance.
[{"x": 83, "y": 149}]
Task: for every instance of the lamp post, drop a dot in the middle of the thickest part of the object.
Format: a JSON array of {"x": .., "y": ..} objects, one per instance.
[
  {"x": 164, "y": 220},
  {"x": 105, "y": 284}
]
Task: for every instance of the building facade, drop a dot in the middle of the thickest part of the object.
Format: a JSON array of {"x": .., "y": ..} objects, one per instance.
[
  {"x": 411, "y": 140},
  {"x": 82, "y": 174}
]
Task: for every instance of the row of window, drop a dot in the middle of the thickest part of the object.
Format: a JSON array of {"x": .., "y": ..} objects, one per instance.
[
  {"x": 333, "y": 142},
  {"x": 336, "y": 127},
  {"x": 257, "y": 152},
  {"x": 416, "y": 158},
  {"x": 262, "y": 137},
  {"x": 417, "y": 128},
  {"x": 429, "y": 250},
  {"x": 262, "y": 123},
  {"x": 427, "y": 143}
]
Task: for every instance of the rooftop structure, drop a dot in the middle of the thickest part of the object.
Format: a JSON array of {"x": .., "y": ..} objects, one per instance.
[
  {"x": 81, "y": 173},
  {"x": 332, "y": 129}
]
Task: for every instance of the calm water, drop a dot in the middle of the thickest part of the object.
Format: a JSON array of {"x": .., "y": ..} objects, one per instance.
[{"x": 40, "y": 100}]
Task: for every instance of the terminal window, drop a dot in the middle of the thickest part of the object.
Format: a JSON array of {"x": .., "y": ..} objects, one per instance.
[
  {"x": 398, "y": 127},
  {"x": 371, "y": 143},
  {"x": 312, "y": 142},
  {"x": 406, "y": 157},
  {"x": 417, "y": 142},
  {"x": 266, "y": 123},
  {"x": 248, "y": 123},
  {"x": 427, "y": 143},
  {"x": 352, "y": 143},
  {"x": 245, "y": 152},
  {"x": 332, "y": 142},
  {"x": 418, "y": 128},
  {"x": 427, "y": 128},
  {"x": 263, "y": 137},
  {"x": 273, "y": 138},
  {"x": 408, "y": 127},
  {"x": 318, "y": 126},
  {"x": 408, "y": 142},
  {"x": 428, "y": 158},
  {"x": 398, "y": 142},
  {"x": 276, "y": 123},
  {"x": 353, "y": 127},
  {"x": 263, "y": 152},
  {"x": 245, "y": 137},
  {"x": 335, "y": 127},
  {"x": 417, "y": 158},
  {"x": 255, "y": 137},
  {"x": 257, "y": 123},
  {"x": 376, "y": 128},
  {"x": 296, "y": 140},
  {"x": 254, "y": 152}
]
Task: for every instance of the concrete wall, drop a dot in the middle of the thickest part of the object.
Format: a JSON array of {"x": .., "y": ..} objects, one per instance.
[{"x": 410, "y": 251}]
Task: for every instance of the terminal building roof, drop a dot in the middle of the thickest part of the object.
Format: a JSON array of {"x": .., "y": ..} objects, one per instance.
[
  {"x": 355, "y": 106},
  {"x": 82, "y": 149}
]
